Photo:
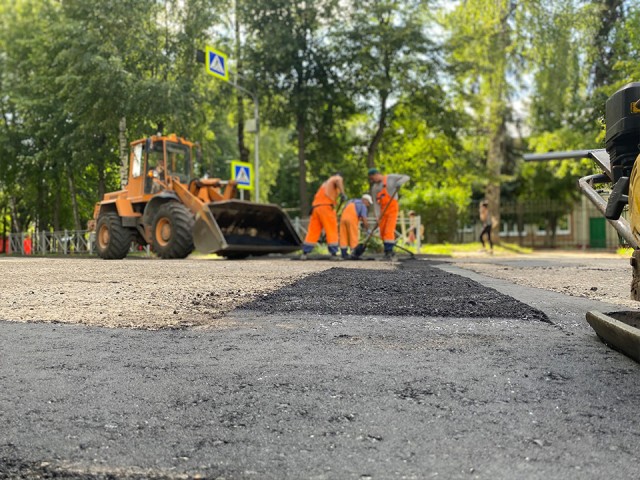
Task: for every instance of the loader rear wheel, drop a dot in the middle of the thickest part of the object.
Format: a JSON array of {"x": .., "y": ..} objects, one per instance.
[
  {"x": 172, "y": 231},
  {"x": 112, "y": 239}
]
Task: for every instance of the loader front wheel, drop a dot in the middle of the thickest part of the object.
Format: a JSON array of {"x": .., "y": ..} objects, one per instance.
[
  {"x": 112, "y": 239},
  {"x": 172, "y": 231}
]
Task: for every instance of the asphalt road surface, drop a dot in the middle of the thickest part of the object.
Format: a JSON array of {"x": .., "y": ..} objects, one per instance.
[{"x": 427, "y": 371}]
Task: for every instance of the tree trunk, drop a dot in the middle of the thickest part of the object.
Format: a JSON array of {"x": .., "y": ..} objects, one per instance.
[
  {"x": 56, "y": 209},
  {"x": 242, "y": 148},
  {"x": 377, "y": 137},
  {"x": 495, "y": 159},
  {"x": 102, "y": 181},
  {"x": 124, "y": 157},
  {"x": 520, "y": 220},
  {"x": 17, "y": 227},
  {"x": 497, "y": 109},
  {"x": 553, "y": 226},
  {"x": 611, "y": 12},
  {"x": 3, "y": 246},
  {"x": 547, "y": 233},
  {"x": 74, "y": 199},
  {"x": 302, "y": 167},
  {"x": 40, "y": 202}
]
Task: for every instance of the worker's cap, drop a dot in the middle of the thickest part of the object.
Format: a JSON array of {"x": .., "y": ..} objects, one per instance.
[
  {"x": 368, "y": 198},
  {"x": 373, "y": 171}
]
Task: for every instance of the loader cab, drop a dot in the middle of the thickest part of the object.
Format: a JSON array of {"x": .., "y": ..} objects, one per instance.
[
  {"x": 178, "y": 160},
  {"x": 155, "y": 168},
  {"x": 156, "y": 159}
]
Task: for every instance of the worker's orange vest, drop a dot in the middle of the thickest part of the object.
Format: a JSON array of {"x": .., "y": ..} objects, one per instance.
[
  {"x": 322, "y": 198},
  {"x": 383, "y": 198}
]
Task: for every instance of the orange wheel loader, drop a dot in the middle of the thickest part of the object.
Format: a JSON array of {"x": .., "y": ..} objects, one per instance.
[{"x": 164, "y": 206}]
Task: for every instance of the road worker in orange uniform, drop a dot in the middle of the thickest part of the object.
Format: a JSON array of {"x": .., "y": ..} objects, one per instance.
[
  {"x": 384, "y": 189},
  {"x": 324, "y": 217},
  {"x": 355, "y": 212}
]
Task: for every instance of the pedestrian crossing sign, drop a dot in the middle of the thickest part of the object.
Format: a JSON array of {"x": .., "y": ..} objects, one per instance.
[
  {"x": 216, "y": 64},
  {"x": 242, "y": 173}
]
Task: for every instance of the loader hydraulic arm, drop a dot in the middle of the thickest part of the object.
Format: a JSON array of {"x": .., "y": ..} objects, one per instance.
[
  {"x": 189, "y": 199},
  {"x": 207, "y": 236},
  {"x": 213, "y": 189}
]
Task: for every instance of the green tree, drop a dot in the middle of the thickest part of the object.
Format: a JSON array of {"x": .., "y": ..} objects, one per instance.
[
  {"x": 424, "y": 141},
  {"x": 288, "y": 56},
  {"x": 552, "y": 184},
  {"x": 386, "y": 51},
  {"x": 562, "y": 114},
  {"x": 485, "y": 54},
  {"x": 26, "y": 173},
  {"x": 626, "y": 47}
]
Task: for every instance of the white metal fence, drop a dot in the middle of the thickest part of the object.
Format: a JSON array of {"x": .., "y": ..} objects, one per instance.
[
  {"x": 82, "y": 242},
  {"x": 403, "y": 228},
  {"x": 67, "y": 242}
]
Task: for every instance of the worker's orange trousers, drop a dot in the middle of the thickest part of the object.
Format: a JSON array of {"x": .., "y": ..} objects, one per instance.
[
  {"x": 388, "y": 223},
  {"x": 349, "y": 235},
  {"x": 323, "y": 217}
]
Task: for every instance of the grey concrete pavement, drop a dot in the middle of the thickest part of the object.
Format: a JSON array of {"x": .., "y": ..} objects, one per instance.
[{"x": 326, "y": 395}]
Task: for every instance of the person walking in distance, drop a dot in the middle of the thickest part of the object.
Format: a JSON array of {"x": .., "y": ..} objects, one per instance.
[
  {"x": 412, "y": 234},
  {"x": 355, "y": 212},
  {"x": 486, "y": 221},
  {"x": 384, "y": 189},
  {"x": 324, "y": 217}
]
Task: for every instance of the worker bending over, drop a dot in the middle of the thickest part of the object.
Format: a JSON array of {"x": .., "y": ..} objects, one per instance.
[
  {"x": 355, "y": 212},
  {"x": 324, "y": 217},
  {"x": 384, "y": 188}
]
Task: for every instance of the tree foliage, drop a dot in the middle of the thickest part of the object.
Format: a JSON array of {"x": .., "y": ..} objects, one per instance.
[
  {"x": 450, "y": 93},
  {"x": 386, "y": 51}
]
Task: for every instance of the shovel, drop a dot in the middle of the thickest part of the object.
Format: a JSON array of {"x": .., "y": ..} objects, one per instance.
[{"x": 361, "y": 247}]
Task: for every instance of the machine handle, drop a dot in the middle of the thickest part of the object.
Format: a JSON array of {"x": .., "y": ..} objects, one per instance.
[{"x": 621, "y": 225}]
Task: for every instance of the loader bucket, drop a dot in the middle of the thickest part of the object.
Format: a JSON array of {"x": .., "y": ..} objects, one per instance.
[{"x": 235, "y": 229}]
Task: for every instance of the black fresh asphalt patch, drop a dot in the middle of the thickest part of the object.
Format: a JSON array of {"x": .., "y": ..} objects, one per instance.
[{"x": 416, "y": 288}]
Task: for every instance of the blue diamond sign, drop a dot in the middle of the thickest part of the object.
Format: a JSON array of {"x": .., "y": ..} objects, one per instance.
[
  {"x": 242, "y": 173},
  {"x": 216, "y": 64}
]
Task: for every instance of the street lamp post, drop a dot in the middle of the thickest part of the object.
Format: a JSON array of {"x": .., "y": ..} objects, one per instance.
[
  {"x": 200, "y": 57},
  {"x": 256, "y": 141},
  {"x": 256, "y": 115}
]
